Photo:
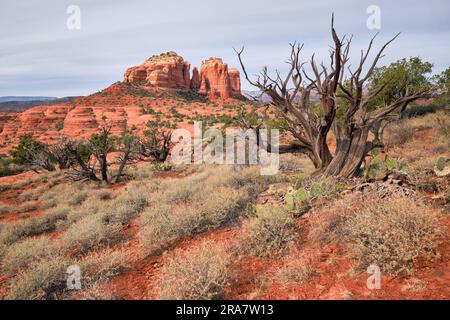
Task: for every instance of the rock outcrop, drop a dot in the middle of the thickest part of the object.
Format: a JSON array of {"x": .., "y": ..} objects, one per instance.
[
  {"x": 235, "y": 82},
  {"x": 195, "y": 80},
  {"x": 216, "y": 80},
  {"x": 170, "y": 72},
  {"x": 166, "y": 71}
]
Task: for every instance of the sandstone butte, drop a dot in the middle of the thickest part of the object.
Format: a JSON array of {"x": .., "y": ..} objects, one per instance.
[{"x": 156, "y": 86}]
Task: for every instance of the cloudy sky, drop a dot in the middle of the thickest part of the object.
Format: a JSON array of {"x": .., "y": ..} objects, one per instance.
[{"x": 39, "y": 55}]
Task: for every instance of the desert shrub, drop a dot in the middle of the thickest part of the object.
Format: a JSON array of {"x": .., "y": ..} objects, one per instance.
[
  {"x": 294, "y": 162},
  {"x": 12, "y": 232},
  {"x": 398, "y": 133},
  {"x": 127, "y": 204},
  {"x": 49, "y": 195},
  {"x": 89, "y": 207},
  {"x": 162, "y": 225},
  {"x": 140, "y": 173},
  {"x": 180, "y": 193},
  {"x": 325, "y": 188},
  {"x": 47, "y": 204},
  {"x": 26, "y": 207},
  {"x": 22, "y": 183},
  {"x": 443, "y": 125},
  {"x": 98, "y": 268},
  {"x": 55, "y": 181},
  {"x": 392, "y": 234},
  {"x": 5, "y": 208},
  {"x": 296, "y": 270},
  {"x": 222, "y": 206},
  {"x": 45, "y": 279},
  {"x": 327, "y": 225},
  {"x": 424, "y": 179},
  {"x": 270, "y": 233},
  {"x": 250, "y": 180},
  {"x": 88, "y": 233},
  {"x": 73, "y": 194},
  {"x": 104, "y": 194},
  {"x": 27, "y": 196},
  {"x": 97, "y": 292},
  {"x": 162, "y": 166},
  {"x": 77, "y": 198},
  {"x": 199, "y": 273},
  {"x": 4, "y": 187},
  {"x": 22, "y": 253}
]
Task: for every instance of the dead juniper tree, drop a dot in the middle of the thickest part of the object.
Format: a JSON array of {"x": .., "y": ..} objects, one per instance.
[
  {"x": 343, "y": 106},
  {"x": 82, "y": 164},
  {"x": 61, "y": 153}
]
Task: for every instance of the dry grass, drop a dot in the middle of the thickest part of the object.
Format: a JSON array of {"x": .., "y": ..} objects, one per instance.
[
  {"x": 290, "y": 162},
  {"x": 272, "y": 232},
  {"x": 199, "y": 273},
  {"x": 26, "y": 207},
  {"x": 45, "y": 279},
  {"x": 104, "y": 194},
  {"x": 6, "y": 208},
  {"x": 12, "y": 232},
  {"x": 21, "y": 254},
  {"x": 97, "y": 268},
  {"x": 207, "y": 200},
  {"x": 443, "y": 123},
  {"x": 88, "y": 233},
  {"x": 130, "y": 201},
  {"x": 392, "y": 233},
  {"x": 140, "y": 173},
  {"x": 28, "y": 195},
  {"x": 422, "y": 152},
  {"x": 295, "y": 269},
  {"x": 399, "y": 132}
]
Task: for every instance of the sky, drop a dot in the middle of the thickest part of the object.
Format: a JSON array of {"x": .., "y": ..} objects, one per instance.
[{"x": 40, "y": 55}]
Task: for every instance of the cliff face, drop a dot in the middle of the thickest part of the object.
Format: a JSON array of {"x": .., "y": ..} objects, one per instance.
[{"x": 170, "y": 72}]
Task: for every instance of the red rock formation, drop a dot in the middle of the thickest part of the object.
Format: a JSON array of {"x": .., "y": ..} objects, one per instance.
[
  {"x": 195, "y": 80},
  {"x": 235, "y": 82},
  {"x": 166, "y": 71},
  {"x": 215, "y": 79},
  {"x": 169, "y": 71}
]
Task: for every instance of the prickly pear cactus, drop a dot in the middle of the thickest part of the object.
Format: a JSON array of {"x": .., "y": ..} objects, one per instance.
[
  {"x": 442, "y": 167},
  {"x": 296, "y": 199}
]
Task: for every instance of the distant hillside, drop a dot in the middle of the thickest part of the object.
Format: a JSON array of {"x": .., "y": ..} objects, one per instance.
[
  {"x": 8, "y": 104},
  {"x": 25, "y": 98}
]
